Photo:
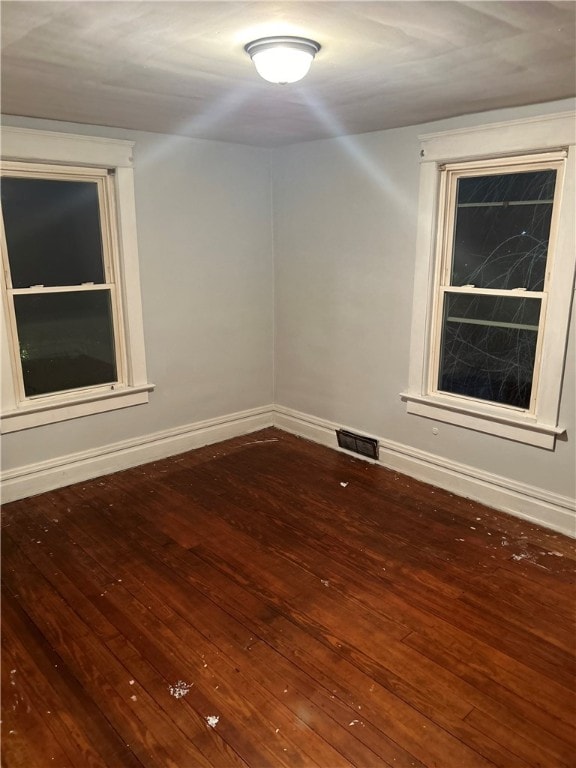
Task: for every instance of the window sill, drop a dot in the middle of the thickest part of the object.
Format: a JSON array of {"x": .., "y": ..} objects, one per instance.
[
  {"x": 52, "y": 410},
  {"x": 521, "y": 428}
]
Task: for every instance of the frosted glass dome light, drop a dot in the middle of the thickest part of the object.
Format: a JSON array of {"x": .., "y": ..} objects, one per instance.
[{"x": 282, "y": 59}]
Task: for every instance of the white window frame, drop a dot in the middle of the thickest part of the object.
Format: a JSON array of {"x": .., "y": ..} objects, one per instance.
[
  {"x": 28, "y": 152},
  {"x": 504, "y": 143}
]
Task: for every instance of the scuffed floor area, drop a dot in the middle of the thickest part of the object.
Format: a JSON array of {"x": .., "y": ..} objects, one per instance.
[{"x": 270, "y": 602}]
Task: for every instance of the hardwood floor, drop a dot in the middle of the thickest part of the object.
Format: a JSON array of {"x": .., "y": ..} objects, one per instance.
[{"x": 269, "y": 602}]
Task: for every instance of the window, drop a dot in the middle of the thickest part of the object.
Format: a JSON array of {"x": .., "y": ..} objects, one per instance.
[
  {"x": 493, "y": 290},
  {"x": 62, "y": 299},
  {"x": 493, "y": 279},
  {"x": 70, "y": 280}
]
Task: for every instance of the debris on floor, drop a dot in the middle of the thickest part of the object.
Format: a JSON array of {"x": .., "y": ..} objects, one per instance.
[{"x": 180, "y": 689}]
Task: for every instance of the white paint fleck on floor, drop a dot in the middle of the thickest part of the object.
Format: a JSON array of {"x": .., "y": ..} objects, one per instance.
[{"x": 180, "y": 689}]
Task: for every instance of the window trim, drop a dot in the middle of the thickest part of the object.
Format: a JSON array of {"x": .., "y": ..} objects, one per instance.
[
  {"x": 450, "y": 173},
  {"x": 68, "y": 150},
  {"x": 486, "y": 144},
  {"x": 105, "y": 189}
]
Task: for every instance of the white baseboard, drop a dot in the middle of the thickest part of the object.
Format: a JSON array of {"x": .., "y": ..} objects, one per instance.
[
  {"x": 527, "y": 502},
  {"x": 77, "y": 467},
  {"x": 519, "y": 499}
]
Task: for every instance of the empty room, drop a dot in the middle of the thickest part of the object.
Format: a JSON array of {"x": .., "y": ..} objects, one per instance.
[{"x": 288, "y": 384}]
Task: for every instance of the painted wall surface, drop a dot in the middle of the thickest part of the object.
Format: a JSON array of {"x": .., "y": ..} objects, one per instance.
[
  {"x": 345, "y": 213},
  {"x": 320, "y": 310},
  {"x": 203, "y": 216}
]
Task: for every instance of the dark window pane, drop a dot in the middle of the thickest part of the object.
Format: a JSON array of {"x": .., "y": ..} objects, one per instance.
[
  {"x": 488, "y": 347},
  {"x": 502, "y": 230},
  {"x": 66, "y": 340},
  {"x": 507, "y": 187},
  {"x": 52, "y": 231}
]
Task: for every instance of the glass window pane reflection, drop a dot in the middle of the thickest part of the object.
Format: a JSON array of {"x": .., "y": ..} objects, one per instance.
[
  {"x": 66, "y": 340},
  {"x": 502, "y": 230},
  {"x": 52, "y": 232},
  {"x": 489, "y": 347}
]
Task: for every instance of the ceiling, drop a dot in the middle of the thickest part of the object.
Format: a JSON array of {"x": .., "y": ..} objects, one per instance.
[{"x": 180, "y": 67}]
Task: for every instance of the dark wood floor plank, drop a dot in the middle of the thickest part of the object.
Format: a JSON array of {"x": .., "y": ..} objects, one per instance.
[
  {"x": 547, "y": 628},
  {"x": 430, "y": 520},
  {"x": 529, "y": 593},
  {"x": 238, "y": 651},
  {"x": 514, "y": 639},
  {"x": 27, "y": 740},
  {"x": 479, "y": 525},
  {"x": 535, "y": 724},
  {"x": 516, "y": 743},
  {"x": 497, "y": 691},
  {"x": 394, "y": 704},
  {"x": 76, "y": 721},
  {"x": 344, "y": 578},
  {"x": 482, "y": 666},
  {"x": 429, "y": 730},
  {"x": 133, "y": 646},
  {"x": 263, "y": 523},
  {"x": 327, "y": 611},
  {"x": 543, "y": 623},
  {"x": 139, "y": 721},
  {"x": 370, "y": 696},
  {"x": 501, "y": 694},
  {"x": 142, "y": 631}
]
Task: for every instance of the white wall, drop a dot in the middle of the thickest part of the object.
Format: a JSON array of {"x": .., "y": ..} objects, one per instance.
[
  {"x": 324, "y": 306},
  {"x": 203, "y": 217},
  {"x": 344, "y": 242}
]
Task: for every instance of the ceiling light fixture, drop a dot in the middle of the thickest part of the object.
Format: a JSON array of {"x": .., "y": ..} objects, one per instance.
[{"x": 282, "y": 59}]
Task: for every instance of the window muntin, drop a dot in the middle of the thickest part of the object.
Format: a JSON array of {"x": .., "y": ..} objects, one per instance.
[
  {"x": 63, "y": 307},
  {"x": 494, "y": 264}
]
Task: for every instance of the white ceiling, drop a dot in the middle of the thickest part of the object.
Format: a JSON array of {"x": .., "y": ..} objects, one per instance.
[{"x": 180, "y": 67}]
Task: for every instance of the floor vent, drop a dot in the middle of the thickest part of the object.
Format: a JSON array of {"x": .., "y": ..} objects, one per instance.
[{"x": 365, "y": 446}]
